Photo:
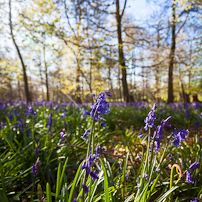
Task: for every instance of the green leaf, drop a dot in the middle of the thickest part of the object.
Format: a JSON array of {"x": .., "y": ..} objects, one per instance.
[
  {"x": 106, "y": 187},
  {"x": 48, "y": 193},
  {"x": 124, "y": 176},
  {"x": 74, "y": 183},
  {"x": 58, "y": 182},
  {"x": 167, "y": 194}
]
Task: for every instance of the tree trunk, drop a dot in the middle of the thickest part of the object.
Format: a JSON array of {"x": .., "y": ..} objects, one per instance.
[
  {"x": 78, "y": 89},
  {"x": 46, "y": 73},
  {"x": 172, "y": 55},
  {"x": 121, "y": 54},
  {"x": 26, "y": 86},
  {"x": 157, "y": 75}
]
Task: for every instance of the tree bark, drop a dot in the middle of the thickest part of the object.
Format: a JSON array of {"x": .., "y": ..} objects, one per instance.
[
  {"x": 46, "y": 74},
  {"x": 121, "y": 54},
  {"x": 26, "y": 86},
  {"x": 172, "y": 55}
]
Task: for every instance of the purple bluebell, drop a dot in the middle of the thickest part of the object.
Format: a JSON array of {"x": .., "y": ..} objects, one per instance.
[
  {"x": 62, "y": 134},
  {"x": 31, "y": 112},
  {"x": 178, "y": 136},
  {"x": 50, "y": 122},
  {"x": 94, "y": 175},
  {"x": 194, "y": 165},
  {"x": 170, "y": 156},
  {"x": 141, "y": 134},
  {"x": 150, "y": 118},
  {"x": 37, "y": 150},
  {"x": 85, "y": 113},
  {"x": 3, "y": 125},
  {"x": 87, "y": 132},
  {"x": 85, "y": 188},
  {"x": 158, "y": 135},
  {"x": 104, "y": 148},
  {"x": 101, "y": 106},
  {"x": 36, "y": 167},
  {"x": 108, "y": 94},
  {"x": 102, "y": 125},
  {"x": 88, "y": 164},
  {"x": 188, "y": 177},
  {"x": 196, "y": 200}
]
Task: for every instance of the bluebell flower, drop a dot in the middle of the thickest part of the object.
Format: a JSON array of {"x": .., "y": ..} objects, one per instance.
[
  {"x": 37, "y": 150},
  {"x": 178, "y": 136},
  {"x": 196, "y": 200},
  {"x": 194, "y": 165},
  {"x": 62, "y": 133},
  {"x": 31, "y": 112},
  {"x": 36, "y": 167},
  {"x": 158, "y": 135},
  {"x": 108, "y": 94},
  {"x": 94, "y": 175},
  {"x": 188, "y": 177},
  {"x": 50, "y": 122},
  {"x": 101, "y": 107},
  {"x": 150, "y": 118},
  {"x": 87, "y": 132},
  {"x": 104, "y": 148},
  {"x": 88, "y": 164},
  {"x": 85, "y": 188},
  {"x": 102, "y": 125},
  {"x": 3, "y": 125},
  {"x": 170, "y": 156},
  {"x": 85, "y": 113}
]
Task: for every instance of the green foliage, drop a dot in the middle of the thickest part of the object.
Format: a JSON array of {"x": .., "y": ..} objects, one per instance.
[{"x": 120, "y": 176}]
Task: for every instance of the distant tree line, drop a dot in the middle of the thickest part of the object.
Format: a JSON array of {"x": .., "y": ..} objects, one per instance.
[{"x": 66, "y": 49}]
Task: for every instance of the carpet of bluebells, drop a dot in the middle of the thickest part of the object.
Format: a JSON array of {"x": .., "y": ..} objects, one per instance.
[{"x": 100, "y": 152}]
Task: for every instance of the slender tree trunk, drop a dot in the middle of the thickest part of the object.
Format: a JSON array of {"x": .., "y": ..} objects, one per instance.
[
  {"x": 78, "y": 89},
  {"x": 46, "y": 74},
  {"x": 19, "y": 90},
  {"x": 172, "y": 55},
  {"x": 157, "y": 75},
  {"x": 121, "y": 54},
  {"x": 26, "y": 86}
]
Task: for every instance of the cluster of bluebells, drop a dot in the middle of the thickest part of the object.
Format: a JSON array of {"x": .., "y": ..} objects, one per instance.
[
  {"x": 158, "y": 134},
  {"x": 178, "y": 136},
  {"x": 36, "y": 167},
  {"x": 149, "y": 121},
  {"x": 193, "y": 166},
  {"x": 100, "y": 107},
  {"x": 31, "y": 112},
  {"x": 21, "y": 126},
  {"x": 88, "y": 164}
]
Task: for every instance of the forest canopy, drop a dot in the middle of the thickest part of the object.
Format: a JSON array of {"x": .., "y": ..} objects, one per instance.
[{"x": 63, "y": 50}]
